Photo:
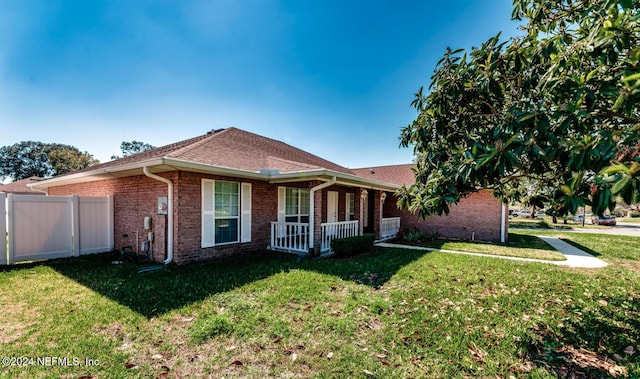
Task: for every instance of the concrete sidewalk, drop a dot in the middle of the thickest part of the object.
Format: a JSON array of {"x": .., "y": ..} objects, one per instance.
[{"x": 575, "y": 257}]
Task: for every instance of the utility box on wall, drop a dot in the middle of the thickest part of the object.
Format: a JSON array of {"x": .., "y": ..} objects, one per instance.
[{"x": 162, "y": 205}]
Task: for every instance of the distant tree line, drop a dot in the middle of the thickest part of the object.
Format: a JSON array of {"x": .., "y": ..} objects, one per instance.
[{"x": 33, "y": 158}]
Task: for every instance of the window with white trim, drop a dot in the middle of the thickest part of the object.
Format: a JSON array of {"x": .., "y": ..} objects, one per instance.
[
  {"x": 294, "y": 204},
  {"x": 351, "y": 206},
  {"x": 222, "y": 210}
]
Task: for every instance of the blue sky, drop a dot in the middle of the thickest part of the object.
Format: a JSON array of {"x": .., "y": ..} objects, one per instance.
[{"x": 334, "y": 78}]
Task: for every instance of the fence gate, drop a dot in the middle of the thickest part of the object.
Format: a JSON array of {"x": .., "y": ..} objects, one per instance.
[
  {"x": 48, "y": 227},
  {"x": 95, "y": 224}
]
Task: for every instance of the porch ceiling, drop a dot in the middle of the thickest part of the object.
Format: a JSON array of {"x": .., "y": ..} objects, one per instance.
[{"x": 341, "y": 179}]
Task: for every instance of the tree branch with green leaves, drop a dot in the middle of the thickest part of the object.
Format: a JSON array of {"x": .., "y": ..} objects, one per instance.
[{"x": 558, "y": 106}]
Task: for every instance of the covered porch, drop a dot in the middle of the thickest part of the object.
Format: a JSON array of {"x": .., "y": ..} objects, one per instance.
[{"x": 309, "y": 220}]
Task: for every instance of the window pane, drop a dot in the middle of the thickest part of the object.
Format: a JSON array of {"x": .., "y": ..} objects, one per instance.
[
  {"x": 226, "y": 230},
  {"x": 226, "y": 205},
  {"x": 304, "y": 202},
  {"x": 226, "y": 199},
  {"x": 291, "y": 207}
]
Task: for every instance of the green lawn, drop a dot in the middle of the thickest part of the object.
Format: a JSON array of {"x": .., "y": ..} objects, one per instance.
[
  {"x": 520, "y": 245},
  {"x": 392, "y": 313},
  {"x": 629, "y": 219},
  {"x": 612, "y": 248},
  {"x": 547, "y": 223}
]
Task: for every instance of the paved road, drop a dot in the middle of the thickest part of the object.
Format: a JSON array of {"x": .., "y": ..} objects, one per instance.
[{"x": 622, "y": 229}]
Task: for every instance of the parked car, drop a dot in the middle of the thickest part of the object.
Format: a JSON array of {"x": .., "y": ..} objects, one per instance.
[
  {"x": 603, "y": 220},
  {"x": 524, "y": 213}
]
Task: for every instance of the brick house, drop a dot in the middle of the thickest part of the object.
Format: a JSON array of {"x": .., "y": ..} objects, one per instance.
[
  {"x": 478, "y": 216},
  {"x": 231, "y": 191}
]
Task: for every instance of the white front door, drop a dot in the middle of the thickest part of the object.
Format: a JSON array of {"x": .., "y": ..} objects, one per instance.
[{"x": 332, "y": 206}]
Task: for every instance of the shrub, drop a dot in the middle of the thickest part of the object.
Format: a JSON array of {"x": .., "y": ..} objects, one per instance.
[
  {"x": 414, "y": 236},
  {"x": 417, "y": 236},
  {"x": 344, "y": 247},
  {"x": 209, "y": 327},
  {"x": 635, "y": 214}
]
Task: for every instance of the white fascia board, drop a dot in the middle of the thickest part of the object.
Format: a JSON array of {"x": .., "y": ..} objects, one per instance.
[
  {"x": 86, "y": 175},
  {"x": 210, "y": 169},
  {"x": 303, "y": 175}
]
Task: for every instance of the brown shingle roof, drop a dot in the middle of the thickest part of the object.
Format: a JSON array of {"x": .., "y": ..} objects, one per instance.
[
  {"x": 234, "y": 149},
  {"x": 239, "y": 149},
  {"x": 20, "y": 186},
  {"x": 396, "y": 174}
]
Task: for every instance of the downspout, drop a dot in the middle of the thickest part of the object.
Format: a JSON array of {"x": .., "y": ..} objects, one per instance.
[
  {"x": 312, "y": 202},
  {"x": 503, "y": 231},
  {"x": 169, "y": 212}
]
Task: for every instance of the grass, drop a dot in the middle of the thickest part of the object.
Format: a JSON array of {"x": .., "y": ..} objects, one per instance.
[
  {"x": 520, "y": 245},
  {"x": 601, "y": 245},
  {"x": 629, "y": 219},
  {"x": 391, "y": 313},
  {"x": 546, "y": 223}
]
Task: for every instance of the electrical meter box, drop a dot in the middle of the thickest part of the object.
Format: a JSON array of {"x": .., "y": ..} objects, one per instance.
[{"x": 163, "y": 206}]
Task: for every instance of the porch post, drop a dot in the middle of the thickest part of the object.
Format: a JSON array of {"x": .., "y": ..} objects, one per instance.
[
  {"x": 363, "y": 199},
  {"x": 317, "y": 221},
  {"x": 377, "y": 205},
  {"x": 315, "y": 218},
  {"x": 383, "y": 197}
]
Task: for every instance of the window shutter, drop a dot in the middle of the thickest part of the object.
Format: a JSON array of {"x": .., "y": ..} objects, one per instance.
[
  {"x": 208, "y": 211},
  {"x": 282, "y": 210},
  {"x": 346, "y": 207},
  {"x": 245, "y": 215},
  {"x": 282, "y": 203}
]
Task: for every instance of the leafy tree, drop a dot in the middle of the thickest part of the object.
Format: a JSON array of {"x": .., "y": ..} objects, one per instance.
[
  {"x": 133, "y": 147},
  {"x": 31, "y": 158},
  {"x": 558, "y": 106}
]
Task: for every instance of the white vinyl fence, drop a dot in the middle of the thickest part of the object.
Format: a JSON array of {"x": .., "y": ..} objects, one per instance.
[{"x": 48, "y": 227}]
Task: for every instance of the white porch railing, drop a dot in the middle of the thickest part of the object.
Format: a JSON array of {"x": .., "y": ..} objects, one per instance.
[
  {"x": 290, "y": 236},
  {"x": 389, "y": 227},
  {"x": 333, "y": 230}
]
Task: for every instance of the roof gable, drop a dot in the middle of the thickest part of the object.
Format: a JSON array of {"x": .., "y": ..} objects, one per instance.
[
  {"x": 396, "y": 174},
  {"x": 239, "y": 149},
  {"x": 229, "y": 148},
  {"x": 230, "y": 152}
]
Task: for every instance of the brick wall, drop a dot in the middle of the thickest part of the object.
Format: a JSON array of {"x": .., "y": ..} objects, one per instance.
[
  {"x": 136, "y": 197},
  {"x": 320, "y": 208},
  {"x": 342, "y": 201},
  {"x": 264, "y": 209},
  {"x": 133, "y": 199},
  {"x": 477, "y": 215}
]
